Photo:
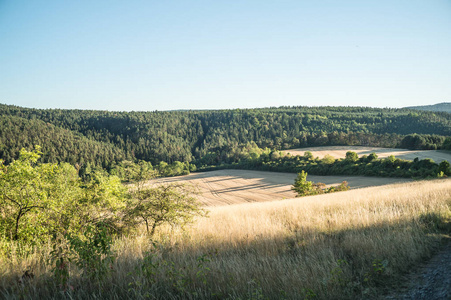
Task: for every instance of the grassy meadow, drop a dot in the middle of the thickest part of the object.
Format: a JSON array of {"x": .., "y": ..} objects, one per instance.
[{"x": 347, "y": 245}]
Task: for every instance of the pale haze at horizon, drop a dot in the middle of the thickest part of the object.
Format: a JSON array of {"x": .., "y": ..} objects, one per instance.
[{"x": 165, "y": 55}]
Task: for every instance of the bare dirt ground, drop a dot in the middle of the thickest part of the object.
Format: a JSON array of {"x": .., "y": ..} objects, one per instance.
[
  {"x": 226, "y": 187},
  {"x": 430, "y": 280},
  {"x": 340, "y": 152}
]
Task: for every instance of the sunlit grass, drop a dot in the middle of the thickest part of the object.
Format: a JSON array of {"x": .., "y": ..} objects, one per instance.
[{"x": 334, "y": 246}]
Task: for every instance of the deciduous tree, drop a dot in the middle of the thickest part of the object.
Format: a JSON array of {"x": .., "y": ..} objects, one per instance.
[{"x": 173, "y": 204}]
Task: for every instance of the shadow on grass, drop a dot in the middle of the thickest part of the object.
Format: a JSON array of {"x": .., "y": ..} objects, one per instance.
[{"x": 304, "y": 263}]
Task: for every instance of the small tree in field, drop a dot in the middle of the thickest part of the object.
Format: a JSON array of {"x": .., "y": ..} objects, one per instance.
[
  {"x": 165, "y": 204},
  {"x": 301, "y": 186}
]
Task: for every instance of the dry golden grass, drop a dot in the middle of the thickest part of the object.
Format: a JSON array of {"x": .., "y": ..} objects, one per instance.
[
  {"x": 296, "y": 243},
  {"x": 345, "y": 245},
  {"x": 340, "y": 152}
]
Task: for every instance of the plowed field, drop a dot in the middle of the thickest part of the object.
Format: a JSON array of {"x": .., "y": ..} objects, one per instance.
[{"x": 226, "y": 187}]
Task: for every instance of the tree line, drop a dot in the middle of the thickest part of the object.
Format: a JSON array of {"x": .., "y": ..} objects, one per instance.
[
  {"x": 104, "y": 139},
  {"x": 252, "y": 157}
]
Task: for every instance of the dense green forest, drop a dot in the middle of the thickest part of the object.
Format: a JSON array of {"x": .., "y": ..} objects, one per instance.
[
  {"x": 443, "y": 107},
  {"x": 105, "y": 139},
  {"x": 60, "y": 144}
]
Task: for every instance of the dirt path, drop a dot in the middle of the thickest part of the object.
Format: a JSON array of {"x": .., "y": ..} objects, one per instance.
[{"x": 430, "y": 281}]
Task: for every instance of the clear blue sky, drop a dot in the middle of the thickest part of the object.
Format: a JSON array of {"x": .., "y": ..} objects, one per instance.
[{"x": 161, "y": 55}]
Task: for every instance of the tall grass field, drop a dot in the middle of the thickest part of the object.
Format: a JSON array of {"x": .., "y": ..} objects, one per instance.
[{"x": 348, "y": 245}]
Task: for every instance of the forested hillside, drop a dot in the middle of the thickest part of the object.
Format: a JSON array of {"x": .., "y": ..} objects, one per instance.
[
  {"x": 103, "y": 137},
  {"x": 58, "y": 144},
  {"x": 439, "y": 107}
]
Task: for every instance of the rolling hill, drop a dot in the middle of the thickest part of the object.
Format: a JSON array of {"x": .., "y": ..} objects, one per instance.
[
  {"x": 211, "y": 137},
  {"x": 439, "y": 107}
]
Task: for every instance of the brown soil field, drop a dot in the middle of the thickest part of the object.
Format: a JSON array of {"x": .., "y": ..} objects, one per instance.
[
  {"x": 226, "y": 187},
  {"x": 340, "y": 152}
]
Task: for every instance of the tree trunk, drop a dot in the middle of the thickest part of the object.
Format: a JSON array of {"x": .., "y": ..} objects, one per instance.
[
  {"x": 153, "y": 228},
  {"x": 16, "y": 229}
]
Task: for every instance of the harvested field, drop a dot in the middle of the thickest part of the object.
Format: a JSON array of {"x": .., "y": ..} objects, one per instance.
[
  {"x": 340, "y": 152},
  {"x": 226, "y": 187}
]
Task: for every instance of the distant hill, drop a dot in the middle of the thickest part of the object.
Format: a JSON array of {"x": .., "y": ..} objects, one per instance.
[
  {"x": 442, "y": 107},
  {"x": 210, "y": 137}
]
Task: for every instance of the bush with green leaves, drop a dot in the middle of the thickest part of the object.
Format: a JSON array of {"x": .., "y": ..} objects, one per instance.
[
  {"x": 41, "y": 200},
  {"x": 308, "y": 188},
  {"x": 444, "y": 167},
  {"x": 91, "y": 251},
  {"x": 36, "y": 199},
  {"x": 172, "y": 204}
]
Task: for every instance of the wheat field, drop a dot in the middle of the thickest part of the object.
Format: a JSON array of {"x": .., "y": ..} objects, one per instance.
[
  {"x": 340, "y": 152},
  {"x": 225, "y": 187},
  {"x": 347, "y": 245}
]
